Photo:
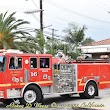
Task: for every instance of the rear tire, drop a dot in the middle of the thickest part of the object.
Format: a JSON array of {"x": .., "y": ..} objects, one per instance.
[
  {"x": 31, "y": 95},
  {"x": 82, "y": 95},
  {"x": 90, "y": 91}
]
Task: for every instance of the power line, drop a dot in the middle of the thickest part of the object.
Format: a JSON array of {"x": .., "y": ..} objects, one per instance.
[
  {"x": 35, "y": 17},
  {"x": 34, "y": 30},
  {"x": 74, "y": 12},
  {"x": 58, "y": 20},
  {"x": 35, "y": 4},
  {"x": 104, "y": 4},
  {"x": 55, "y": 35}
]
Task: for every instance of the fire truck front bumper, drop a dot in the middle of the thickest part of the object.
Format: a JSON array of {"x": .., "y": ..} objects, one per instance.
[
  {"x": 13, "y": 93},
  {"x": 1, "y": 94}
]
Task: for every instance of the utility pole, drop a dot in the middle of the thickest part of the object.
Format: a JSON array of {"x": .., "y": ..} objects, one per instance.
[
  {"x": 41, "y": 13},
  {"x": 41, "y": 16},
  {"x": 53, "y": 34}
]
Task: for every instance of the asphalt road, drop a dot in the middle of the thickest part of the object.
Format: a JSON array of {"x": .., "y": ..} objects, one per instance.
[{"x": 63, "y": 103}]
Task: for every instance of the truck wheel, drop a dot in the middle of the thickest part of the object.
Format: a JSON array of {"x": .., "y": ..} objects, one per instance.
[
  {"x": 31, "y": 95},
  {"x": 90, "y": 91},
  {"x": 82, "y": 95}
]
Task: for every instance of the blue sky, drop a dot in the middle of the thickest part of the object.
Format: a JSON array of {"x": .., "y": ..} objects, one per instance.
[{"x": 58, "y": 13}]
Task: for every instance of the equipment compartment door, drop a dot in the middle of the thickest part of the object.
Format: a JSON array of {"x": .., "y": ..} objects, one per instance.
[{"x": 66, "y": 81}]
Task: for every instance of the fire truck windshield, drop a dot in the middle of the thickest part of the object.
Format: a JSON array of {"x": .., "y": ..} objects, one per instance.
[{"x": 2, "y": 63}]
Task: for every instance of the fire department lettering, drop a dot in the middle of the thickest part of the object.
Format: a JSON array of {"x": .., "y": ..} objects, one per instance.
[
  {"x": 14, "y": 79},
  {"x": 33, "y": 73}
]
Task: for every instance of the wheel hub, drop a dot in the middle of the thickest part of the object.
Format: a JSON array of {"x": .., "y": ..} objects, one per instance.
[
  {"x": 91, "y": 90},
  {"x": 30, "y": 96}
]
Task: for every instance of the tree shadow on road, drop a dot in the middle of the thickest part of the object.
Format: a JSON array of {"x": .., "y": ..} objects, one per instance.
[
  {"x": 50, "y": 100},
  {"x": 59, "y": 99}
]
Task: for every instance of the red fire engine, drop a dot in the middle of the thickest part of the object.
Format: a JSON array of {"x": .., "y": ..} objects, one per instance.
[{"x": 28, "y": 77}]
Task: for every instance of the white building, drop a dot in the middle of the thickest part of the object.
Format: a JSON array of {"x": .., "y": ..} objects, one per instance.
[{"x": 97, "y": 48}]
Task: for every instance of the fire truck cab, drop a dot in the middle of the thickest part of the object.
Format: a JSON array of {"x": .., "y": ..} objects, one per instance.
[
  {"x": 28, "y": 77},
  {"x": 24, "y": 76}
]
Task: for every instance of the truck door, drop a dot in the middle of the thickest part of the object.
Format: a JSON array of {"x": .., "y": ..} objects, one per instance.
[
  {"x": 15, "y": 71},
  {"x": 2, "y": 74},
  {"x": 45, "y": 70},
  {"x": 34, "y": 76}
]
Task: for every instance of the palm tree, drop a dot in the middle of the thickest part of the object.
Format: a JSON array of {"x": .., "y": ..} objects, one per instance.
[
  {"x": 74, "y": 37},
  {"x": 32, "y": 44},
  {"x": 25, "y": 45},
  {"x": 52, "y": 45},
  {"x": 87, "y": 41},
  {"x": 40, "y": 40},
  {"x": 9, "y": 30},
  {"x": 75, "y": 34}
]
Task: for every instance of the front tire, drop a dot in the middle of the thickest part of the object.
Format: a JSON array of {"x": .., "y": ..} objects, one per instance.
[
  {"x": 31, "y": 95},
  {"x": 7, "y": 101},
  {"x": 90, "y": 91}
]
